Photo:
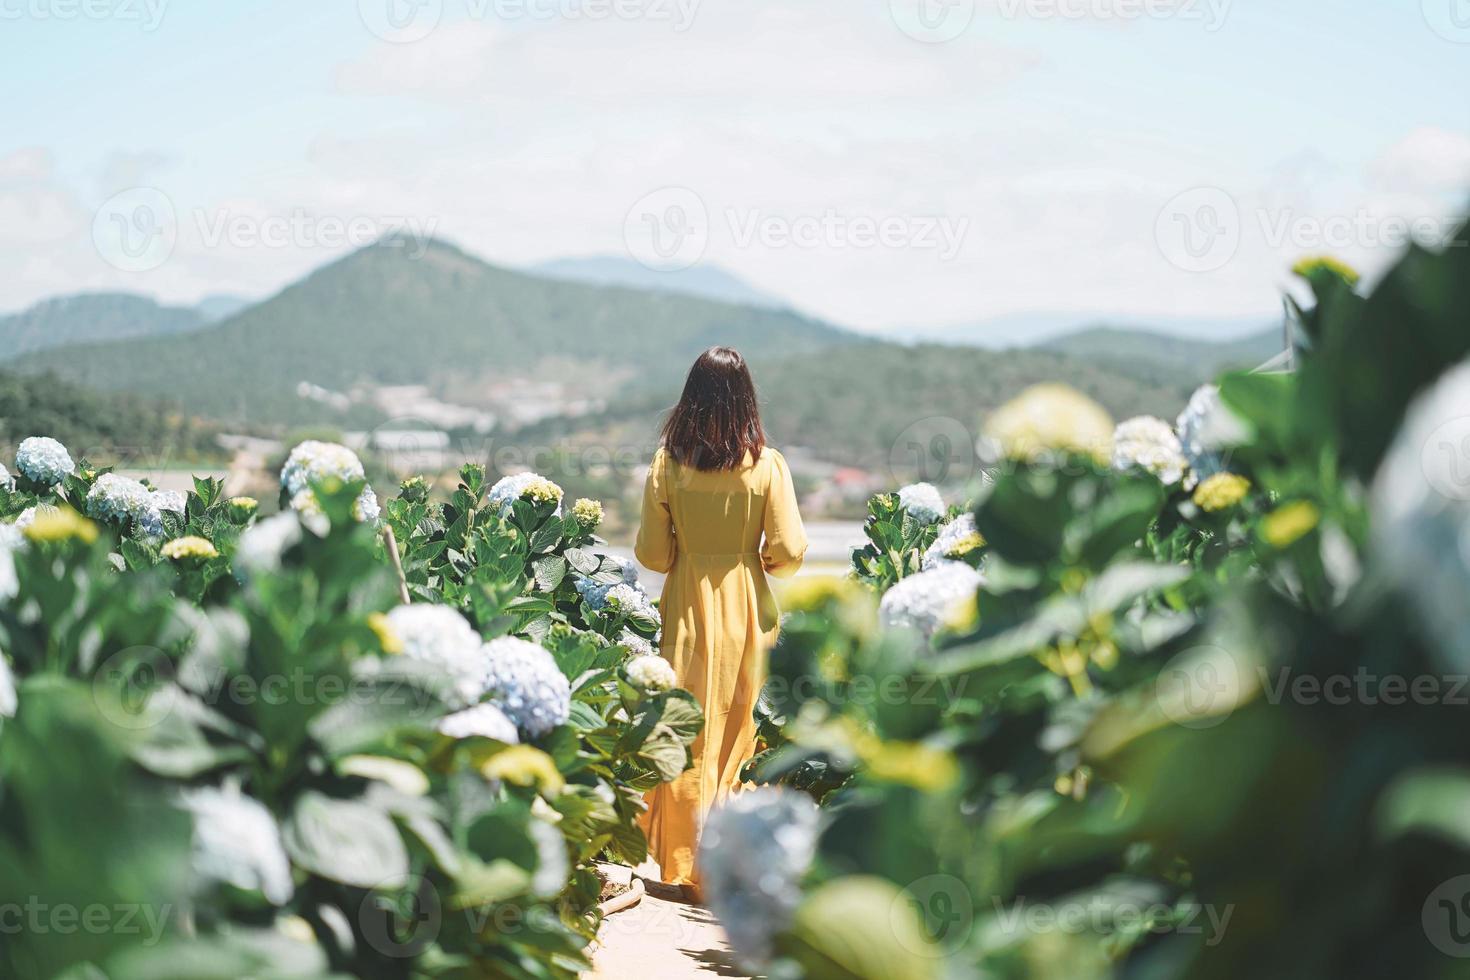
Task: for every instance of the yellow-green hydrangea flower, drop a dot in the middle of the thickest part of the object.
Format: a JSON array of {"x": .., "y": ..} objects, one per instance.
[
  {"x": 241, "y": 508},
  {"x": 388, "y": 639},
  {"x": 60, "y": 524},
  {"x": 1221, "y": 492},
  {"x": 1326, "y": 263},
  {"x": 587, "y": 512},
  {"x": 1289, "y": 523},
  {"x": 189, "y": 546},
  {"x": 542, "y": 492},
  {"x": 1050, "y": 418}
]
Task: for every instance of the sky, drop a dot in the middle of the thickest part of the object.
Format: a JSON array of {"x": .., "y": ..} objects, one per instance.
[{"x": 888, "y": 165}]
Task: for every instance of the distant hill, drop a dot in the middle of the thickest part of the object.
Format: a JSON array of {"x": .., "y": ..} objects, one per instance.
[
  {"x": 103, "y": 426},
  {"x": 383, "y": 317},
  {"x": 1030, "y": 329},
  {"x": 704, "y": 281},
  {"x": 852, "y": 404},
  {"x": 1158, "y": 358},
  {"x": 91, "y": 317},
  {"x": 220, "y": 306}
]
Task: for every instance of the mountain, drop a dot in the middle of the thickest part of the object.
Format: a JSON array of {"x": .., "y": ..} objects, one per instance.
[
  {"x": 85, "y": 317},
  {"x": 1029, "y": 329},
  {"x": 446, "y": 320},
  {"x": 1157, "y": 358},
  {"x": 705, "y": 281},
  {"x": 220, "y": 306}
]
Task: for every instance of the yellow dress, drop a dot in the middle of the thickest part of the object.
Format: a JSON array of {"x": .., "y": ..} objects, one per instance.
[{"x": 717, "y": 535}]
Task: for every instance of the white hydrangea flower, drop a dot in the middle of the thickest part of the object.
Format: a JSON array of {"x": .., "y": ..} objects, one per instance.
[
  {"x": 639, "y": 646},
  {"x": 930, "y": 599},
  {"x": 524, "y": 680},
  {"x": 755, "y": 850},
  {"x": 439, "y": 635},
  {"x": 1421, "y": 514},
  {"x": 9, "y": 700},
  {"x": 366, "y": 509},
  {"x": 117, "y": 498},
  {"x": 236, "y": 841},
  {"x": 1149, "y": 443},
  {"x": 630, "y": 600},
  {"x": 6, "y": 480},
  {"x": 1206, "y": 428},
  {"x": 651, "y": 674},
  {"x": 922, "y": 501},
  {"x": 485, "y": 720},
  {"x": 958, "y": 533},
  {"x": 43, "y": 460},
  {"x": 261, "y": 546},
  {"x": 508, "y": 489},
  {"x": 313, "y": 461},
  {"x": 171, "y": 501}
]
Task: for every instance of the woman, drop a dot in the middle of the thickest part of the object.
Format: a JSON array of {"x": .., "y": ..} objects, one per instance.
[{"x": 719, "y": 515}]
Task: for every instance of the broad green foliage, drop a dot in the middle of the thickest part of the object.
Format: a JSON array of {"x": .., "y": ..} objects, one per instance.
[
  {"x": 242, "y": 678},
  {"x": 1177, "y": 735}
]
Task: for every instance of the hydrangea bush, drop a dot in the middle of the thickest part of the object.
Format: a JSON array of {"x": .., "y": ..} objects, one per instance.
[
  {"x": 1130, "y": 731},
  {"x": 342, "y": 757}
]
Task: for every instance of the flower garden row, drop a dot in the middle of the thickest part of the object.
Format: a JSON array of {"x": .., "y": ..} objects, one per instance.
[
  {"x": 1093, "y": 723},
  {"x": 236, "y": 729}
]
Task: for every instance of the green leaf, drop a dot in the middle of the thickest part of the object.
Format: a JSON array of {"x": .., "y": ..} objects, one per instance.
[{"x": 344, "y": 840}]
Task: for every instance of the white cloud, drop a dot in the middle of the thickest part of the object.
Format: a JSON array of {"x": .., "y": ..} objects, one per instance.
[{"x": 1427, "y": 160}]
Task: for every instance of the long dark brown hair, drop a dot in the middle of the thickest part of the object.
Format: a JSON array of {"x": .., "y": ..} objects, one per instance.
[{"x": 717, "y": 421}]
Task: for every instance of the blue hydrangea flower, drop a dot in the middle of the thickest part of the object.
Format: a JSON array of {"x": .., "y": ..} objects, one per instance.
[
  {"x": 439, "y": 635},
  {"x": 237, "y": 842},
  {"x": 922, "y": 501},
  {"x": 928, "y": 600},
  {"x": 43, "y": 460},
  {"x": 754, "y": 899},
  {"x": 524, "y": 680},
  {"x": 485, "y": 720}
]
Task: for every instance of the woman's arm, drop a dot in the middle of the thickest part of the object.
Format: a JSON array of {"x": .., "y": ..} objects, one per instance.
[
  {"x": 655, "y": 545},
  {"x": 785, "y": 543}
]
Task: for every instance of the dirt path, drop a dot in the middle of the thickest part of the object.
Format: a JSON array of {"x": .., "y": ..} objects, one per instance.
[{"x": 662, "y": 940}]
